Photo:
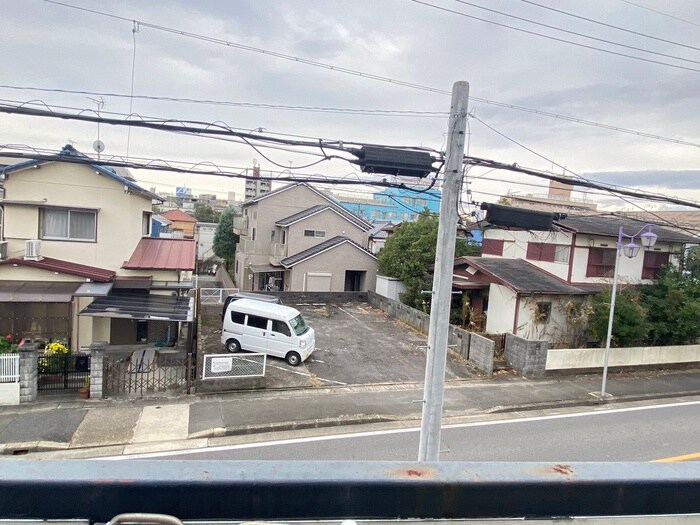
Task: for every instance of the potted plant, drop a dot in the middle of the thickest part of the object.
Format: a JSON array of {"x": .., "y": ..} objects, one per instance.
[{"x": 84, "y": 391}]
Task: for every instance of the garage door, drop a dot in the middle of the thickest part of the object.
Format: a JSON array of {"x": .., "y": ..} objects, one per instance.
[{"x": 318, "y": 282}]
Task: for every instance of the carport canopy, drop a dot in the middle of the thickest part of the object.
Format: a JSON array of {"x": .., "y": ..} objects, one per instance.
[
  {"x": 37, "y": 291},
  {"x": 142, "y": 307}
]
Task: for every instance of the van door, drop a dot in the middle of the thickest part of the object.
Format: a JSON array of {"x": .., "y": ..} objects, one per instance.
[
  {"x": 255, "y": 338},
  {"x": 279, "y": 340}
]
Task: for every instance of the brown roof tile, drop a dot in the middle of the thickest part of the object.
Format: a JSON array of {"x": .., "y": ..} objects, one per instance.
[
  {"x": 99, "y": 275},
  {"x": 162, "y": 254}
]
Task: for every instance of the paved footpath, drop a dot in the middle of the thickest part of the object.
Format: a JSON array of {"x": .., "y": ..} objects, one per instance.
[{"x": 132, "y": 425}]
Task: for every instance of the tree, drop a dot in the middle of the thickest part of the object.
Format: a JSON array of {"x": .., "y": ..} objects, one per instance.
[
  {"x": 409, "y": 255},
  {"x": 673, "y": 303},
  {"x": 225, "y": 240},
  {"x": 204, "y": 213},
  {"x": 630, "y": 327}
]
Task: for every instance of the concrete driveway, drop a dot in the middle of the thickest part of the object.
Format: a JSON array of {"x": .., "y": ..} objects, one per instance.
[{"x": 355, "y": 345}]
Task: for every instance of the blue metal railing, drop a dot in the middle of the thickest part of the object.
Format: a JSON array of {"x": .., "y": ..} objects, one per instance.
[{"x": 272, "y": 490}]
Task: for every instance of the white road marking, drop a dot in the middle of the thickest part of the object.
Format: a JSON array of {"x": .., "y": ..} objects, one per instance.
[
  {"x": 348, "y": 313},
  {"x": 372, "y": 433}
]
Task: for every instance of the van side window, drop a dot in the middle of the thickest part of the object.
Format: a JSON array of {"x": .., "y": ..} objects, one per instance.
[
  {"x": 281, "y": 327},
  {"x": 238, "y": 317},
  {"x": 257, "y": 322}
]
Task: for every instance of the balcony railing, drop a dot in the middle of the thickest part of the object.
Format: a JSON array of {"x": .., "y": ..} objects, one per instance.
[
  {"x": 273, "y": 249},
  {"x": 240, "y": 225}
]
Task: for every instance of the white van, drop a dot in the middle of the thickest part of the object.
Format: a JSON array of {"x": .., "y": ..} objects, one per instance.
[{"x": 267, "y": 328}]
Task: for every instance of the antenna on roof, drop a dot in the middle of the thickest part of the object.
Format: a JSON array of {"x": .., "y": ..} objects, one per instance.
[{"x": 98, "y": 145}]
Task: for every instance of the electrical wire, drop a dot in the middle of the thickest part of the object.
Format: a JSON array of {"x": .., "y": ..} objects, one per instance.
[
  {"x": 394, "y": 81},
  {"x": 630, "y": 31},
  {"x": 661, "y": 13},
  {"x": 582, "y": 35},
  {"x": 556, "y": 39}
]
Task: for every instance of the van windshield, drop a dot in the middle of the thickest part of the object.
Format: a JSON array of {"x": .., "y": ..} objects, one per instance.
[{"x": 299, "y": 325}]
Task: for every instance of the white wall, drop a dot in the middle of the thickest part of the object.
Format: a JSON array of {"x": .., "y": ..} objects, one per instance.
[
  {"x": 501, "y": 311},
  {"x": 390, "y": 287},
  {"x": 9, "y": 393},
  {"x": 581, "y": 358}
]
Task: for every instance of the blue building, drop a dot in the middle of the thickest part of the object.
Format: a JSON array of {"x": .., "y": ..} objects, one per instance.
[{"x": 393, "y": 204}]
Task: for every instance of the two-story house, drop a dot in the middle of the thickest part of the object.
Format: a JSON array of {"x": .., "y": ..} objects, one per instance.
[
  {"x": 297, "y": 238},
  {"x": 531, "y": 283},
  {"x": 77, "y": 262}
]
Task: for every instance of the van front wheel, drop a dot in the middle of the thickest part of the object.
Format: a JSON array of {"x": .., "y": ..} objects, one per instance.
[
  {"x": 293, "y": 358},
  {"x": 233, "y": 346}
]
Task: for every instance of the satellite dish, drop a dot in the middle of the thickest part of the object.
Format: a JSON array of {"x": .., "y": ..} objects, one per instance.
[{"x": 98, "y": 146}]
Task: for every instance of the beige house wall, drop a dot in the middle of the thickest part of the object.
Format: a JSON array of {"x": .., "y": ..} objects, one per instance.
[
  {"x": 327, "y": 221},
  {"x": 119, "y": 214},
  {"x": 335, "y": 262}
]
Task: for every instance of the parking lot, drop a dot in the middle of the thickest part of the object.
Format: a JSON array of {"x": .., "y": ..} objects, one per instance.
[{"x": 356, "y": 344}]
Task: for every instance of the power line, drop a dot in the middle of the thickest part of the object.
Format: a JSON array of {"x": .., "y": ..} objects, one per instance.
[
  {"x": 556, "y": 39},
  {"x": 611, "y": 25},
  {"x": 393, "y": 81},
  {"x": 660, "y": 13},
  {"x": 582, "y": 35}
]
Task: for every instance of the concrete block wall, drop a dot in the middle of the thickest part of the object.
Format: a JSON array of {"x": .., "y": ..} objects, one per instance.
[
  {"x": 97, "y": 360},
  {"x": 481, "y": 353},
  {"x": 321, "y": 297},
  {"x": 412, "y": 317},
  {"x": 459, "y": 340},
  {"x": 529, "y": 358},
  {"x": 28, "y": 372}
]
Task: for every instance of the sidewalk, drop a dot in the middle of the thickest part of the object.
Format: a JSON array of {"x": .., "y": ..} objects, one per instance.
[{"x": 130, "y": 426}]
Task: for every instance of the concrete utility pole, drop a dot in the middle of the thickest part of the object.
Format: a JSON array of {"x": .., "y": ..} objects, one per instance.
[{"x": 429, "y": 448}]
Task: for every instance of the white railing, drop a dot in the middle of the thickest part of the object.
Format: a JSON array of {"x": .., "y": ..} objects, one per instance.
[
  {"x": 215, "y": 295},
  {"x": 9, "y": 368},
  {"x": 230, "y": 366}
]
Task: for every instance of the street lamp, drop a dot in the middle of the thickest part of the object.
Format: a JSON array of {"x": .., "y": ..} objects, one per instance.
[{"x": 631, "y": 249}]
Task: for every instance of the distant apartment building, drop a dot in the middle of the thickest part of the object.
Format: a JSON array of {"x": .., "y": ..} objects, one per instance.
[
  {"x": 557, "y": 199},
  {"x": 392, "y": 204},
  {"x": 257, "y": 187}
]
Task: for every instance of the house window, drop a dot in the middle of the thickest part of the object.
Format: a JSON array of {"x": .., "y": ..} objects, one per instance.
[
  {"x": 252, "y": 238},
  {"x": 272, "y": 236},
  {"x": 601, "y": 262},
  {"x": 540, "y": 251},
  {"x": 69, "y": 225},
  {"x": 284, "y": 236},
  {"x": 561, "y": 253},
  {"x": 314, "y": 233},
  {"x": 146, "y": 223},
  {"x": 653, "y": 262},
  {"x": 492, "y": 247},
  {"x": 543, "y": 312}
]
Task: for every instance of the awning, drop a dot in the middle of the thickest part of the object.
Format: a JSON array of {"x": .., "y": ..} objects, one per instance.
[
  {"x": 36, "y": 291},
  {"x": 93, "y": 289},
  {"x": 142, "y": 307},
  {"x": 264, "y": 268}
]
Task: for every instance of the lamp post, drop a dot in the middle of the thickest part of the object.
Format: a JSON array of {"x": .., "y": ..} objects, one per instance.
[{"x": 631, "y": 249}]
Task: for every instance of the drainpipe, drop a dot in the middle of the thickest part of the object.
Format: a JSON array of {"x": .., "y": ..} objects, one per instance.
[
  {"x": 517, "y": 312},
  {"x": 571, "y": 257}
]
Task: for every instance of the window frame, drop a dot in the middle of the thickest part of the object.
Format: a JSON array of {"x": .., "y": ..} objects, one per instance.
[
  {"x": 68, "y": 238},
  {"x": 600, "y": 267}
]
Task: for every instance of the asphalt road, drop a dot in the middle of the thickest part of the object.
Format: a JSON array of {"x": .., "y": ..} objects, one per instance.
[{"x": 620, "y": 434}]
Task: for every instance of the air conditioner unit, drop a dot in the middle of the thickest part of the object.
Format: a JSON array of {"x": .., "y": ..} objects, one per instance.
[
  {"x": 32, "y": 250},
  {"x": 3, "y": 250}
]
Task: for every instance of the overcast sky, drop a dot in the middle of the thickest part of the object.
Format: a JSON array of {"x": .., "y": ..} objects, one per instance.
[{"x": 54, "y": 47}]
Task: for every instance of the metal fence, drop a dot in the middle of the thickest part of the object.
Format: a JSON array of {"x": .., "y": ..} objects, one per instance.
[
  {"x": 9, "y": 368},
  {"x": 215, "y": 295},
  {"x": 226, "y": 366},
  {"x": 131, "y": 375},
  {"x": 57, "y": 373}
]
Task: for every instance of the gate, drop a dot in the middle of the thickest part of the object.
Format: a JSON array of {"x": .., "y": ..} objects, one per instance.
[
  {"x": 58, "y": 373},
  {"x": 142, "y": 373}
]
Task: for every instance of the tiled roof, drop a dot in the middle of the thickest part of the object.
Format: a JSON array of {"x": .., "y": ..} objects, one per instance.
[
  {"x": 162, "y": 254},
  {"x": 179, "y": 216},
  {"x": 99, "y": 275},
  {"x": 609, "y": 225},
  {"x": 521, "y": 276},
  {"x": 290, "y": 261},
  {"x": 69, "y": 151}
]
